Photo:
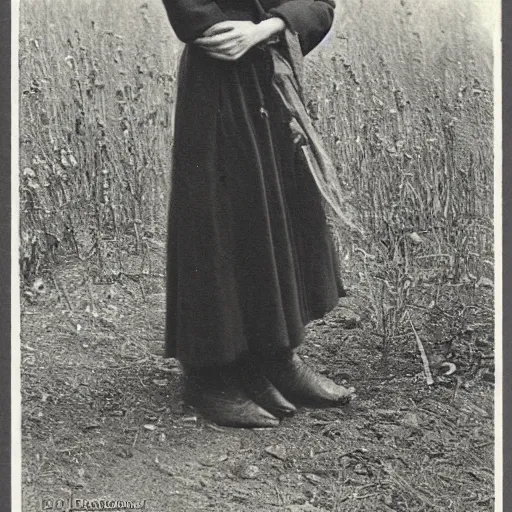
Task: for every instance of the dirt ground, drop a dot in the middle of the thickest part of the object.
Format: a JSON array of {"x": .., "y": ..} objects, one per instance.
[{"x": 103, "y": 418}]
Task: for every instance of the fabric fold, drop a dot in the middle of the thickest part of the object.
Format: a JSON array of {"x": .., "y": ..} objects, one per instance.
[{"x": 286, "y": 80}]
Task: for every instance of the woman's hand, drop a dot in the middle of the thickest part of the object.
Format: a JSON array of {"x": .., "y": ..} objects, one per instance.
[{"x": 230, "y": 40}]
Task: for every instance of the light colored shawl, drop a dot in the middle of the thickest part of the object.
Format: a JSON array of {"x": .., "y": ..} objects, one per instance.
[{"x": 287, "y": 78}]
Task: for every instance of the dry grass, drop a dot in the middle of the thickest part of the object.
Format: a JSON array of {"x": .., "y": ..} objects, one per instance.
[
  {"x": 404, "y": 103},
  {"x": 97, "y": 83}
]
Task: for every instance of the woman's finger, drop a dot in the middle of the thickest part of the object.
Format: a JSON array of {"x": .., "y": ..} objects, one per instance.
[
  {"x": 227, "y": 48},
  {"x": 220, "y": 56},
  {"x": 219, "y": 46},
  {"x": 231, "y": 54},
  {"x": 210, "y": 41},
  {"x": 216, "y": 40},
  {"x": 219, "y": 28},
  {"x": 226, "y": 54}
]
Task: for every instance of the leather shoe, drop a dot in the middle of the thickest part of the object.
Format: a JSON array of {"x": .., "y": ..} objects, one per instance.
[
  {"x": 301, "y": 385},
  {"x": 262, "y": 392},
  {"x": 223, "y": 402}
]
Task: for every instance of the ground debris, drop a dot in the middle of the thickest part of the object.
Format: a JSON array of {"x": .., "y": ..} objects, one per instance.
[
  {"x": 165, "y": 468},
  {"x": 346, "y": 318},
  {"x": 410, "y": 419},
  {"x": 277, "y": 450},
  {"x": 213, "y": 460},
  {"x": 413, "y": 443},
  {"x": 314, "y": 479},
  {"x": 249, "y": 472},
  {"x": 307, "y": 507},
  {"x": 92, "y": 426}
]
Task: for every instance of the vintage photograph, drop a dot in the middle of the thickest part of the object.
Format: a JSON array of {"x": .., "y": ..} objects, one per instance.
[{"x": 257, "y": 255}]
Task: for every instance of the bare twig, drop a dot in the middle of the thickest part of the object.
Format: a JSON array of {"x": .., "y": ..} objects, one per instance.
[
  {"x": 456, "y": 389},
  {"x": 91, "y": 298},
  {"x": 60, "y": 288},
  {"x": 424, "y": 358}
]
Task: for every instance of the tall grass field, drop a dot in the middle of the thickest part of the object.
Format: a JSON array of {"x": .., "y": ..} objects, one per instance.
[{"x": 400, "y": 90}]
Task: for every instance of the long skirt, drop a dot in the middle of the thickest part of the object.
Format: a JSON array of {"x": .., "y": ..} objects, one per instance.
[{"x": 250, "y": 256}]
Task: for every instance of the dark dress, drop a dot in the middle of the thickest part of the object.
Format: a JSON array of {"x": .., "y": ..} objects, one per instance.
[{"x": 250, "y": 257}]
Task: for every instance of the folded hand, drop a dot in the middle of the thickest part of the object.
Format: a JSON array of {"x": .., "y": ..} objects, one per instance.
[{"x": 230, "y": 40}]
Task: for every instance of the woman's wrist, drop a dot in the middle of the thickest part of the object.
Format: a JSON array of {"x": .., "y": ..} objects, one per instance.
[{"x": 271, "y": 27}]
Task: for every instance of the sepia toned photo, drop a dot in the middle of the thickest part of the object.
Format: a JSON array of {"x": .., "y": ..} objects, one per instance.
[{"x": 257, "y": 255}]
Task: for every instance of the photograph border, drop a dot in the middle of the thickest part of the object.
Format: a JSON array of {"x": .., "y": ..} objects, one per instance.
[
  {"x": 6, "y": 309},
  {"x": 503, "y": 275},
  {"x": 10, "y": 417}
]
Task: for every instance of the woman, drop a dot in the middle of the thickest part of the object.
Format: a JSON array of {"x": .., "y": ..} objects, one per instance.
[{"x": 250, "y": 259}]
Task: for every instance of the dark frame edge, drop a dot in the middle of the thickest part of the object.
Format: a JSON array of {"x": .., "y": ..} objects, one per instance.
[
  {"x": 5, "y": 256},
  {"x": 506, "y": 192}
]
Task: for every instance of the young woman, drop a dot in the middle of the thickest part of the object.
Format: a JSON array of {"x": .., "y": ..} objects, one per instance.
[{"x": 250, "y": 258}]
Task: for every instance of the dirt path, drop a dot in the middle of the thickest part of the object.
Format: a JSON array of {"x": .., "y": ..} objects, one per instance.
[{"x": 102, "y": 417}]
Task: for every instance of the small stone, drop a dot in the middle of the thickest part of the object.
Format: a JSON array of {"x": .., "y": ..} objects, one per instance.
[
  {"x": 348, "y": 319},
  {"x": 415, "y": 238},
  {"x": 160, "y": 382},
  {"x": 124, "y": 452},
  {"x": 277, "y": 450},
  {"x": 411, "y": 420},
  {"x": 92, "y": 426},
  {"x": 150, "y": 427},
  {"x": 249, "y": 472},
  {"x": 359, "y": 469},
  {"x": 485, "y": 282},
  {"x": 77, "y": 484},
  {"x": 388, "y": 500}
]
